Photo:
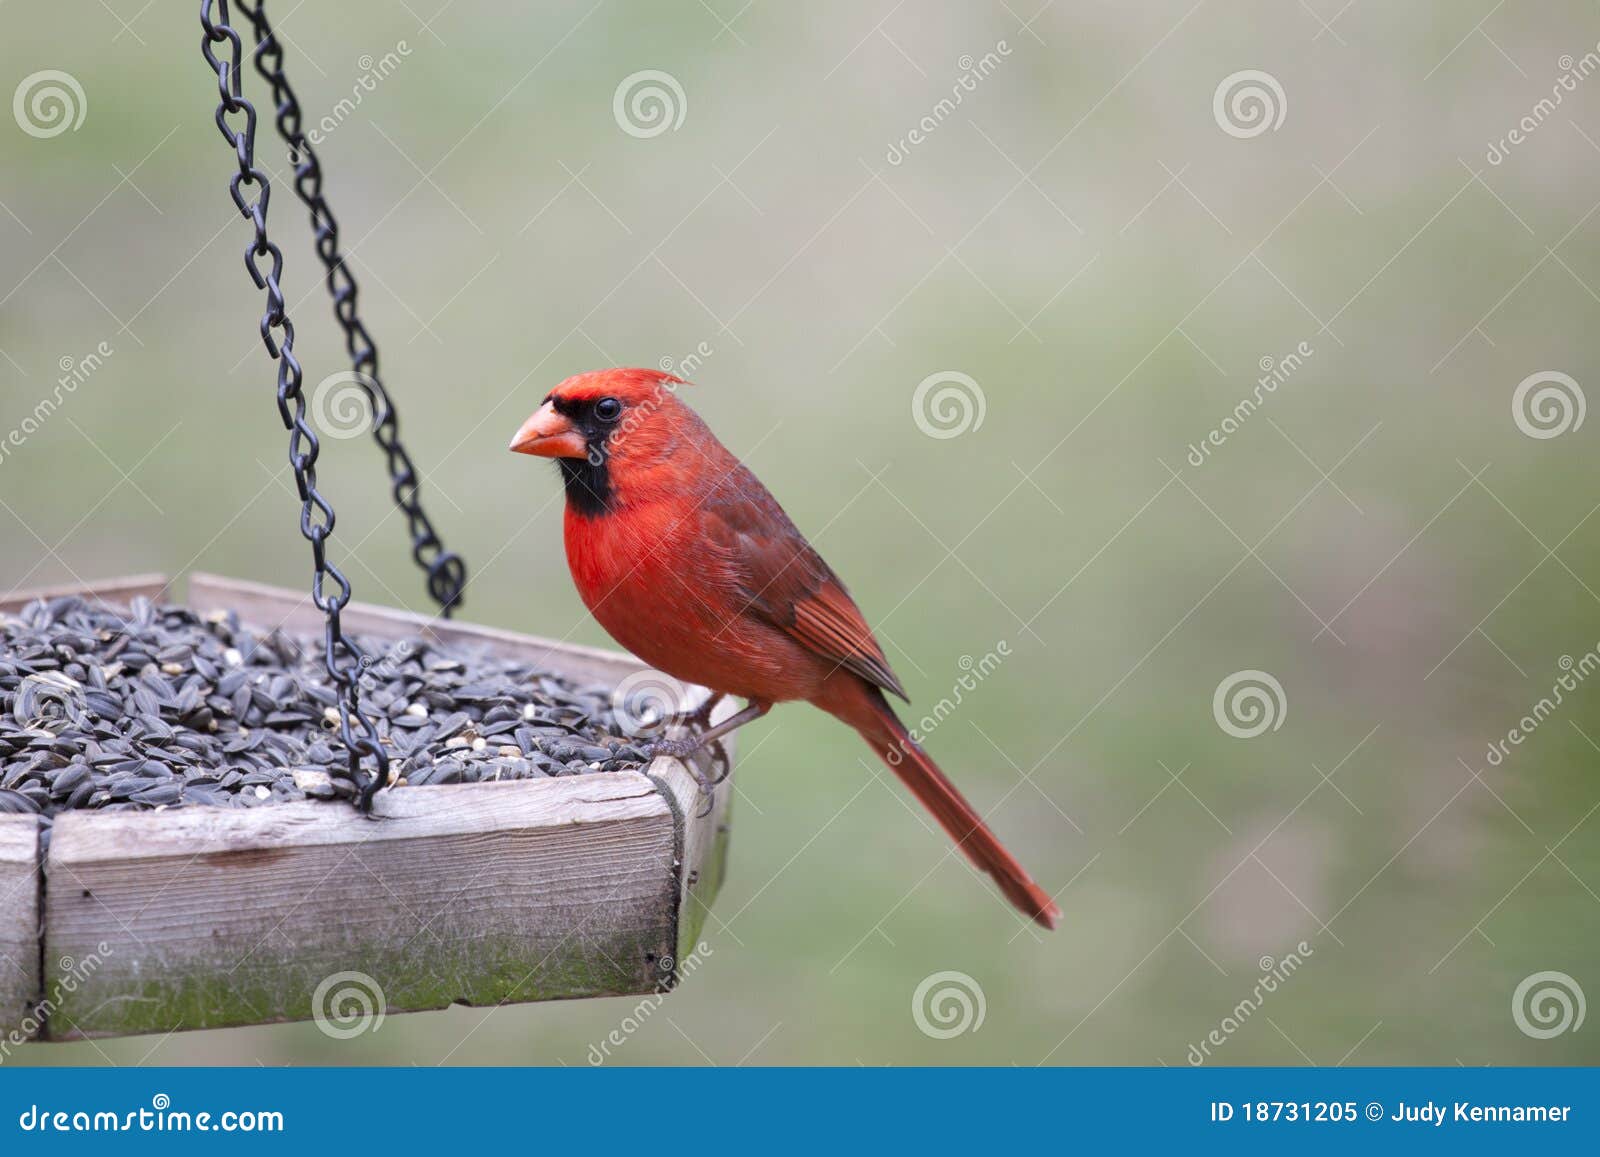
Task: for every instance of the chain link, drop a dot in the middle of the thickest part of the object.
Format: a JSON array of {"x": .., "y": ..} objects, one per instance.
[
  {"x": 236, "y": 120},
  {"x": 446, "y": 573}
]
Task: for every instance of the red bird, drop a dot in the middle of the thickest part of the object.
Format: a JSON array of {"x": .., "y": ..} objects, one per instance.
[{"x": 688, "y": 561}]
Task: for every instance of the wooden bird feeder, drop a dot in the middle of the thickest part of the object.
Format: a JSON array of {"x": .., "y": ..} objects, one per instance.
[
  {"x": 477, "y": 894},
  {"x": 486, "y": 893}
]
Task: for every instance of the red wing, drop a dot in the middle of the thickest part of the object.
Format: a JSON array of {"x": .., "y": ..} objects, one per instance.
[{"x": 783, "y": 580}]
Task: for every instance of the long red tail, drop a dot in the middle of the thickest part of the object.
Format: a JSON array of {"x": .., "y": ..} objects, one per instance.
[{"x": 865, "y": 709}]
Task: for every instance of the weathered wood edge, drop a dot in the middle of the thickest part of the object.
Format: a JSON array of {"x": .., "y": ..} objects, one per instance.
[
  {"x": 20, "y": 985},
  {"x": 114, "y": 876},
  {"x": 119, "y": 590},
  {"x": 84, "y": 837},
  {"x": 702, "y": 850}
]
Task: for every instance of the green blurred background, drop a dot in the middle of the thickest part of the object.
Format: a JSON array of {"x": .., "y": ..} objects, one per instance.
[{"x": 1082, "y": 239}]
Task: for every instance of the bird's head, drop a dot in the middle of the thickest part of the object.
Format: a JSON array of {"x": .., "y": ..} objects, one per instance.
[
  {"x": 593, "y": 415},
  {"x": 594, "y": 421}
]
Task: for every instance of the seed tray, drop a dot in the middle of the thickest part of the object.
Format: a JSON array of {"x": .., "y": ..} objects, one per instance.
[
  {"x": 588, "y": 877},
  {"x": 154, "y": 706}
]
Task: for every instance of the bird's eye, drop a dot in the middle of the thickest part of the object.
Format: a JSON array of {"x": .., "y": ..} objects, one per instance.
[{"x": 608, "y": 409}]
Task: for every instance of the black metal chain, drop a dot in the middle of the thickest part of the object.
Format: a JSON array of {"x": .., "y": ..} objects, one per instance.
[
  {"x": 446, "y": 572},
  {"x": 316, "y": 515}
]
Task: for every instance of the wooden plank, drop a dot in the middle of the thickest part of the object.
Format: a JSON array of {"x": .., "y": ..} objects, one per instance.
[
  {"x": 702, "y": 856},
  {"x": 118, "y": 591},
  {"x": 476, "y": 893},
  {"x": 703, "y": 850},
  {"x": 19, "y": 927},
  {"x": 264, "y": 605}
]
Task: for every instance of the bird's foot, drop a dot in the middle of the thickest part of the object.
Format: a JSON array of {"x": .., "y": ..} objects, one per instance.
[
  {"x": 710, "y": 777},
  {"x": 711, "y": 737},
  {"x": 677, "y": 748},
  {"x": 707, "y": 778}
]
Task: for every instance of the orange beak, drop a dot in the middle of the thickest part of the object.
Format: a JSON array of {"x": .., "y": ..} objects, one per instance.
[{"x": 550, "y": 434}]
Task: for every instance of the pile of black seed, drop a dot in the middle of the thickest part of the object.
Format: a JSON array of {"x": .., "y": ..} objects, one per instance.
[{"x": 151, "y": 707}]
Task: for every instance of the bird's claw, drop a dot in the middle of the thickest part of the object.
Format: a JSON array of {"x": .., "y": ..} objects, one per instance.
[
  {"x": 684, "y": 749},
  {"x": 707, "y": 791},
  {"x": 721, "y": 763},
  {"x": 709, "y": 780}
]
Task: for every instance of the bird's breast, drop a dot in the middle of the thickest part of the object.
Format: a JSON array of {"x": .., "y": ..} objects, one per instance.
[
  {"x": 620, "y": 556},
  {"x": 636, "y": 572},
  {"x": 660, "y": 590}
]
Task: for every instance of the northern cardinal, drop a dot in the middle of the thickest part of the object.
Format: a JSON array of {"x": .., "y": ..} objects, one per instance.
[{"x": 690, "y": 563}]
